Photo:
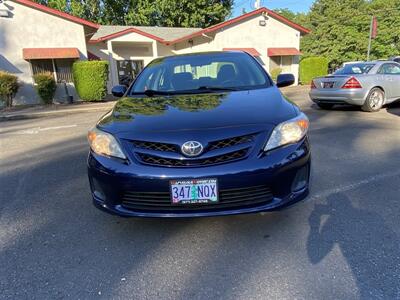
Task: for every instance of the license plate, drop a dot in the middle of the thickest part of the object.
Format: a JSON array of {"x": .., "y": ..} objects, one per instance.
[
  {"x": 202, "y": 191},
  {"x": 328, "y": 85}
]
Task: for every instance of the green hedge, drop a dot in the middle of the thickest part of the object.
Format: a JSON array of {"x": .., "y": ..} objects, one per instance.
[
  {"x": 312, "y": 67},
  {"x": 90, "y": 78},
  {"x": 8, "y": 87},
  {"x": 45, "y": 86}
]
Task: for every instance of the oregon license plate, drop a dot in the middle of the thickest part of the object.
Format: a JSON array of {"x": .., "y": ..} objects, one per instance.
[{"x": 202, "y": 191}]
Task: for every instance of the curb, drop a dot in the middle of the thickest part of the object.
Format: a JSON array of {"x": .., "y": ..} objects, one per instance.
[{"x": 35, "y": 115}]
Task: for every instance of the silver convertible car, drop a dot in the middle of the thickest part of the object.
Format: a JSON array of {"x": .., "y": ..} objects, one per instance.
[{"x": 367, "y": 84}]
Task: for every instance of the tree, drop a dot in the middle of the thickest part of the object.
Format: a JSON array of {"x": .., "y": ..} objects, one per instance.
[
  {"x": 299, "y": 17},
  {"x": 86, "y": 9},
  {"x": 177, "y": 13},
  {"x": 340, "y": 29},
  {"x": 387, "y": 42}
]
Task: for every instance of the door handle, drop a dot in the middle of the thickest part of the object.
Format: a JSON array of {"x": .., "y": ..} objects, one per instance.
[{"x": 389, "y": 78}]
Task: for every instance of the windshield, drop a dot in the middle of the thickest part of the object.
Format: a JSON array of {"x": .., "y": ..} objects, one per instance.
[
  {"x": 354, "y": 69},
  {"x": 201, "y": 73}
]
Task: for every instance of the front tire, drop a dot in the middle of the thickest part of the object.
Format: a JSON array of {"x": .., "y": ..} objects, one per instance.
[
  {"x": 326, "y": 106},
  {"x": 374, "y": 101}
]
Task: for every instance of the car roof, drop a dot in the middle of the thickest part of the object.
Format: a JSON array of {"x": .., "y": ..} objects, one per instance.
[
  {"x": 383, "y": 61},
  {"x": 375, "y": 62}
]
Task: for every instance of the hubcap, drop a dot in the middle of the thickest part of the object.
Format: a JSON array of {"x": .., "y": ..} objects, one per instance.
[{"x": 376, "y": 100}]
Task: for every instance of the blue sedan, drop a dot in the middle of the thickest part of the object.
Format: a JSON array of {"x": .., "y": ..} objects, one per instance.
[{"x": 201, "y": 134}]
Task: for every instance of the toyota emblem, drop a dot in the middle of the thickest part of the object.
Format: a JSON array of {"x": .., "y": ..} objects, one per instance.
[{"x": 192, "y": 148}]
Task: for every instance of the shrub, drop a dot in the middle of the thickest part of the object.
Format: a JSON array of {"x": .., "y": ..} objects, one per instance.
[
  {"x": 90, "y": 78},
  {"x": 8, "y": 87},
  {"x": 312, "y": 67},
  {"x": 45, "y": 86},
  {"x": 275, "y": 73}
]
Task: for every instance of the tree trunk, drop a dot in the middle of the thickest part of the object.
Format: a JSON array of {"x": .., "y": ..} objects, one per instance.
[{"x": 9, "y": 101}]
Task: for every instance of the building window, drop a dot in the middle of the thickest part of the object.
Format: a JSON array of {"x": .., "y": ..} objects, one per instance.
[
  {"x": 283, "y": 62},
  {"x": 60, "y": 68},
  {"x": 41, "y": 66},
  {"x": 64, "y": 70}
]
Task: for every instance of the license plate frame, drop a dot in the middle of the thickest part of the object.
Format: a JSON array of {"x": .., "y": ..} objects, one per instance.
[
  {"x": 194, "y": 191},
  {"x": 328, "y": 85}
]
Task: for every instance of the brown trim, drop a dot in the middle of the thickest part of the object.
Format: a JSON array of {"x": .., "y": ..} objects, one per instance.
[
  {"x": 126, "y": 31},
  {"x": 57, "y": 13},
  {"x": 213, "y": 28}
]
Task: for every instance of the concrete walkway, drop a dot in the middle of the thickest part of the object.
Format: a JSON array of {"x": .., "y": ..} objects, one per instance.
[{"x": 38, "y": 111}]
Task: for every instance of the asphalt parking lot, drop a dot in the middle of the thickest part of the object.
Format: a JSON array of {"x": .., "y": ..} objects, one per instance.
[{"x": 342, "y": 243}]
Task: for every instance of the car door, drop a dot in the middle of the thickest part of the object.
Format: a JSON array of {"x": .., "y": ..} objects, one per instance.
[
  {"x": 395, "y": 74},
  {"x": 391, "y": 75}
]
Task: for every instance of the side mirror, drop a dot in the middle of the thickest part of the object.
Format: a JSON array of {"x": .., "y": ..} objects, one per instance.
[
  {"x": 285, "y": 80},
  {"x": 118, "y": 90}
]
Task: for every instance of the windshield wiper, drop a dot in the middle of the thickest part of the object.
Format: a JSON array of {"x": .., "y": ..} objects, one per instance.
[
  {"x": 216, "y": 88},
  {"x": 151, "y": 93}
]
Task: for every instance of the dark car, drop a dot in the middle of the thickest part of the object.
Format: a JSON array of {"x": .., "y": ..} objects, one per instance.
[
  {"x": 205, "y": 134},
  {"x": 396, "y": 59}
]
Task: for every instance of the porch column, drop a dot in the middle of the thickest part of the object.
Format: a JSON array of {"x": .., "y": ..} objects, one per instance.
[
  {"x": 154, "y": 48},
  {"x": 113, "y": 66}
]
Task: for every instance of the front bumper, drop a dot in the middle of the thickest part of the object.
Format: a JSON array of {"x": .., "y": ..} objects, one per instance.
[
  {"x": 278, "y": 170},
  {"x": 339, "y": 96}
]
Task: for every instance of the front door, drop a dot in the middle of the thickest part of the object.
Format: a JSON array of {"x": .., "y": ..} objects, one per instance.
[
  {"x": 128, "y": 70},
  {"x": 393, "y": 71}
]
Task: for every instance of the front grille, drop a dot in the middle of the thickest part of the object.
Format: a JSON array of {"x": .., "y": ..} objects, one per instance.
[
  {"x": 231, "y": 142},
  {"x": 159, "y": 157},
  {"x": 231, "y": 198},
  {"x": 163, "y": 147},
  {"x": 170, "y": 162}
]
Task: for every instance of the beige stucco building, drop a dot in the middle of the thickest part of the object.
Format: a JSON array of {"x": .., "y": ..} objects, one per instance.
[
  {"x": 272, "y": 39},
  {"x": 35, "y": 38}
]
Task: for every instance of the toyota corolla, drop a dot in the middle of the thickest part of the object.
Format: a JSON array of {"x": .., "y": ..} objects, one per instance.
[{"x": 201, "y": 134}]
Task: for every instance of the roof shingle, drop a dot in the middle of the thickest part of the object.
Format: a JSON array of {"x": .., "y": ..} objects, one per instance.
[{"x": 165, "y": 33}]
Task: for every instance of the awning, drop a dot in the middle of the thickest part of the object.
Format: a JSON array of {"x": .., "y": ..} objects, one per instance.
[
  {"x": 283, "y": 52},
  {"x": 49, "y": 53},
  {"x": 250, "y": 51}
]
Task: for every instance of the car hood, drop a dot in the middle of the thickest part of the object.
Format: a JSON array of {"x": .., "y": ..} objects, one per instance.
[{"x": 198, "y": 111}]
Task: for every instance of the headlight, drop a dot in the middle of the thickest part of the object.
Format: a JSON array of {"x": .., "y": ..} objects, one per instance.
[
  {"x": 288, "y": 132},
  {"x": 104, "y": 143}
]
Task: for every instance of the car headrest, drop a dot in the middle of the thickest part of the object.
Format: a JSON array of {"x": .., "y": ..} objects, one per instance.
[
  {"x": 226, "y": 72},
  {"x": 182, "y": 81}
]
